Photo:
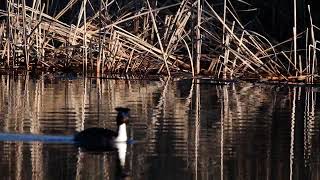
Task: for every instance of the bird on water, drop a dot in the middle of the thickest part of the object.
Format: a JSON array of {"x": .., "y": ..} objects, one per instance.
[
  {"x": 104, "y": 139},
  {"x": 101, "y": 139}
]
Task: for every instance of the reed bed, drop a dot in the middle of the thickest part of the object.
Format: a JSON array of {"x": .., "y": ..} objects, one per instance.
[{"x": 189, "y": 37}]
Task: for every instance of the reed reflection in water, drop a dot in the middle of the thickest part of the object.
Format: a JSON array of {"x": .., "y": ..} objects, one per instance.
[{"x": 186, "y": 129}]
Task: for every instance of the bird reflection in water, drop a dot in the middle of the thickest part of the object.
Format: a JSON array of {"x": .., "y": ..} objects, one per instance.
[{"x": 119, "y": 151}]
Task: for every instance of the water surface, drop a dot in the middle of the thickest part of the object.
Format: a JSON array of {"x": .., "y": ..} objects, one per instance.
[{"x": 186, "y": 129}]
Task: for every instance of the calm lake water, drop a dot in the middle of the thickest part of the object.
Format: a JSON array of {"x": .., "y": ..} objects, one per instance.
[{"x": 185, "y": 129}]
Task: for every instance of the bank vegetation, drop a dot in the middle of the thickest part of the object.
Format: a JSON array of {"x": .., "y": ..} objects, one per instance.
[{"x": 191, "y": 37}]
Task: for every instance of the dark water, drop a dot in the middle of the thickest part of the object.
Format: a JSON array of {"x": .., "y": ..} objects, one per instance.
[{"x": 185, "y": 129}]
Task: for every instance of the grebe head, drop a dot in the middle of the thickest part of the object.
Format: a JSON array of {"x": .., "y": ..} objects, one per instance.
[{"x": 123, "y": 115}]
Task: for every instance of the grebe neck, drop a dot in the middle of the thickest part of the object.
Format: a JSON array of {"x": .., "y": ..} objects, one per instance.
[{"x": 122, "y": 133}]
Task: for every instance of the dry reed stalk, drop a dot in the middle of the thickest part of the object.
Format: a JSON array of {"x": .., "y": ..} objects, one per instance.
[
  {"x": 255, "y": 58},
  {"x": 273, "y": 47},
  {"x": 264, "y": 51},
  {"x": 255, "y": 43},
  {"x": 292, "y": 63},
  {"x": 135, "y": 16},
  {"x": 35, "y": 33},
  {"x": 226, "y": 56},
  {"x": 26, "y": 52},
  {"x": 85, "y": 64},
  {"x": 235, "y": 59},
  {"x": 218, "y": 72},
  {"x": 198, "y": 36},
  {"x": 159, "y": 39},
  {"x": 176, "y": 37},
  {"x": 300, "y": 65},
  {"x": 310, "y": 64},
  {"x": 32, "y": 16},
  {"x": 306, "y": 47},
  {"x": 129, "y": 62},
  {"x": 295, "y": 32},
  {"x": 2, "y": 31},
  {"x": 190, "y": 57},
  {"x": 144, "y": 45},
  {"x": 224, "y": 20},
  {"x": 180, "y": 12},
  {"x": 78, "y": 23},
  {"x": 180, "y": 25},
  {"x": 98, "y": 63},
  {"x": 167, "y": 23},
  {"x": 8, "y": 43},
  {"x": 234, "y": 16},
  {"x": 111, "y": 49},
  {"x": 42, "y": 40},
  {"x": 66, "y": 8},
  {"x": 115, "y": 53}
]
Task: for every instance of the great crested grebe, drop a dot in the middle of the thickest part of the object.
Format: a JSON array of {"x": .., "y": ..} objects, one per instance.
[{"x": 101, "y": 138}]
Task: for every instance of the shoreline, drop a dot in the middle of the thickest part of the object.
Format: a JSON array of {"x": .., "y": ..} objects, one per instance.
[{"x": 70, "y": 75}]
